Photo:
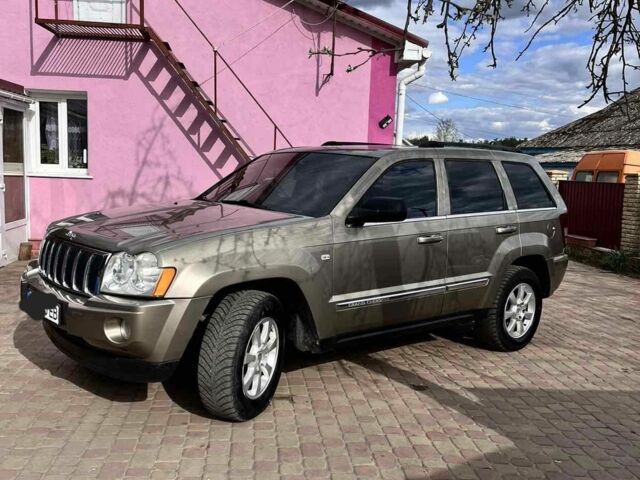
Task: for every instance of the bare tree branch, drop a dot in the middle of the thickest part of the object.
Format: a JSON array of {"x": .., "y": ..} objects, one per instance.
[{"x": 615, "y": 50}]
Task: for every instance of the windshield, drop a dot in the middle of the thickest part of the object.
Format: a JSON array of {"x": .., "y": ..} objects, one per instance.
[{"x": 308, "y": 183}]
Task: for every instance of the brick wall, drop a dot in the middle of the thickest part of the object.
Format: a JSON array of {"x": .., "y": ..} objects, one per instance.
[
  {"x": 557, "y": 175},
  {"x": 630, "y": 242}
]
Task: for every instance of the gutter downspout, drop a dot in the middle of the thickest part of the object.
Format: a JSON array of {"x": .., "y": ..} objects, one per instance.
[{"x": 402, "y": 95}]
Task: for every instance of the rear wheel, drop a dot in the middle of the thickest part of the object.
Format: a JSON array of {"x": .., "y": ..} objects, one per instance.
[
  {"x": 241, "y": 355},
  {"x": 513, "y": 319}
]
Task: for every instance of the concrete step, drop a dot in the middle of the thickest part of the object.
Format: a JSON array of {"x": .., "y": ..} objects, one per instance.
[{"x": 581, "y": 241}]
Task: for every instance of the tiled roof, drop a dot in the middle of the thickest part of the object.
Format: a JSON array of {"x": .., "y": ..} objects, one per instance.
[{"x": 615, "y": 126}]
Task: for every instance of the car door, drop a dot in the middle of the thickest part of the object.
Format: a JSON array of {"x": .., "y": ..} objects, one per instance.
[
  {"x": 538, "y": 216},
  {"x": 482, "y": 224},
  {"x": 13, "y": 211},
  {"x": 392, "y": 273}
]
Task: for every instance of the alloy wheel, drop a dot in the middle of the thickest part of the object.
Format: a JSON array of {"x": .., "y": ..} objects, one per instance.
[
  {"x": 260, "y": 358},
  {"x": 519, "y": 310}
]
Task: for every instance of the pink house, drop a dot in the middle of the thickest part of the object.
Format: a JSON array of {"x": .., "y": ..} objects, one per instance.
[{"x": 107, "y": 103}]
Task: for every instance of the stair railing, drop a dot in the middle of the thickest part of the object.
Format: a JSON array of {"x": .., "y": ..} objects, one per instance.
[{"x": 217, "y": 56}]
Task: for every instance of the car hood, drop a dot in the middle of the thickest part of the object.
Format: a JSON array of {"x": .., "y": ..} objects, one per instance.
[{"x": 136, "y": 229}]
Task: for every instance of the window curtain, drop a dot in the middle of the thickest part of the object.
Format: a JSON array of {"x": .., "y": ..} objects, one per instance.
[{"x": 51, "y": 128}]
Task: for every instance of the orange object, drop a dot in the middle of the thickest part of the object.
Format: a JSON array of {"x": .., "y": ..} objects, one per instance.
[
  {"x": 609, "y": 166},
  {"x": 166, "y": 277}
]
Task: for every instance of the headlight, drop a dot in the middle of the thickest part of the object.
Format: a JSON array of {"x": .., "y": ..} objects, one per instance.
[{"x": 136, "y": 275}]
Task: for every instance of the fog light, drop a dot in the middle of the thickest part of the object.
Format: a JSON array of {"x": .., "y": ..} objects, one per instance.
[{"x": 117, "y": 330}]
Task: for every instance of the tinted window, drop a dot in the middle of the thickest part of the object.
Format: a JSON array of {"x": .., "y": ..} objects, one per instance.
[
  {"x": 474, "y": 187},
  {"x": 308, "y": 183},
  {"x": 607, "y": 177},
  {"x": 529, "y": 190},
  {"x": 413, "y": 182},
  {"x": 584, "y": 176}
]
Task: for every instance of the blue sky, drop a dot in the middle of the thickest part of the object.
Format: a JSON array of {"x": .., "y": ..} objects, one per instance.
[{"x": 524, "y": 98}]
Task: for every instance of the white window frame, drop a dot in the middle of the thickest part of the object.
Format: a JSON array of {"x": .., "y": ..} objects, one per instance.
[
  {"x": 61, "y": 169},
  {"x": 18, "y": 168}
]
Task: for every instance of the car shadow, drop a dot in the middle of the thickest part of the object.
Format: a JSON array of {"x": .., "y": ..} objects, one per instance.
[
  {"x": 565, "y": 433},
  {"x": 297, "y": 360},
  {"x": 32, "y": 342},
  {"x": 182, "y": 387}
]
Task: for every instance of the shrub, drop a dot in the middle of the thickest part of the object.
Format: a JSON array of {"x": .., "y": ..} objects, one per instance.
[{"x": 615, "y": 261}]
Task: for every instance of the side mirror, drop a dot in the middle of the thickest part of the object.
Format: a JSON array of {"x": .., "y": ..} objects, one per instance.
[{"x": 377, "y": 210}]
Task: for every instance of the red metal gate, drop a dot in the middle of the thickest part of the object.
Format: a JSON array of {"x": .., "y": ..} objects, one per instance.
[{"x": 595, "y": 210}]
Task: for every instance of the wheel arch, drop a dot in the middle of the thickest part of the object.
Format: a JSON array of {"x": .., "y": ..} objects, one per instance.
[
  {"x": 300, "y": 327},
  {"x": 538, "y": 265}
]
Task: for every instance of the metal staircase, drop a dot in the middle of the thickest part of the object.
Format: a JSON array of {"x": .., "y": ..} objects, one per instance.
[{"x": 142, "y": 32}]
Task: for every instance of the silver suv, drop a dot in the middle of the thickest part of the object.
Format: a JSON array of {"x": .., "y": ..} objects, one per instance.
[{"x": 319, "y": 246}]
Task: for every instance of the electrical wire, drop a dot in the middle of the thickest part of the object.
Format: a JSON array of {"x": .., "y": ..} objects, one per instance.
[
  {"x": 334, "y": 10},
  {"x": 262, "y": 20},
  {"x": 463, "y": 132},
  {"x": 486, "y": 100},
  {"x": 501, "y": 91},
  {"x": 422, "y": 107},
  {"x": 244, "y": 54}
]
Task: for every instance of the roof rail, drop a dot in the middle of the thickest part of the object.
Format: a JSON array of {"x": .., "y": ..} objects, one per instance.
[
  {"x": 479, "y": 146},
  {"x": 429, "y": 144},
  {"x": 334, "y": 143}
]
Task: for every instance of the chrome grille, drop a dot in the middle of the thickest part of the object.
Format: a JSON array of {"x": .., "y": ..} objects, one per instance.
[{"x": 72, "y": 266}]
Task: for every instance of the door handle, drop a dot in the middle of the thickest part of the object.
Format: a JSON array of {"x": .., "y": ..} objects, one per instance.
[
  {"x": 505, "y": 229},
  {"x": 429, "y": 239}
]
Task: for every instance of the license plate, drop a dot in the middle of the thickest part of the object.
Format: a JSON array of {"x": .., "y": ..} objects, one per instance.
[
  {"x": 52, "y": 314},
  {"x": 39, "y": 305}
]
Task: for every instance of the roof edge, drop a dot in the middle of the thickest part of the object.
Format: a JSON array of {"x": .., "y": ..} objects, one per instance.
[
  {"x": 366, "y": 22},
  {"x": 11, "y": 87},
  {"x": 569, "y": 129}
]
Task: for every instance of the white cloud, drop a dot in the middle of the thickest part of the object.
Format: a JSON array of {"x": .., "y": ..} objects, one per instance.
[
  {"x": 545, "y": 87},
  {"x": 438, "y": 97}
]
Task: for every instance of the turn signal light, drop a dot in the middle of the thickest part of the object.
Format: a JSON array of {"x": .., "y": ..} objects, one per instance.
[{"x": 164, "y": 282}]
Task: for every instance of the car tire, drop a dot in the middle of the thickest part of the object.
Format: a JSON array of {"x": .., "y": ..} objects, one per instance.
[
  {"x": 513, "y": 319},
  {"x": 244, "y": 333}
]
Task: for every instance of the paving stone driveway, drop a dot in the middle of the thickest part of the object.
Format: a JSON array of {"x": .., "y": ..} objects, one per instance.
[{"x": 568, "y": 406}]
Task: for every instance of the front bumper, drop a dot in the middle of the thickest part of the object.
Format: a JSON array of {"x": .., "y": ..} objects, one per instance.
[
  {"x": 159, "y": 329},
  {"x": 121, "y": 368}
]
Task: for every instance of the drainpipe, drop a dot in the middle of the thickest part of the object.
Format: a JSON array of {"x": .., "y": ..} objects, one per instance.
[{"x": 402, "y": 94}]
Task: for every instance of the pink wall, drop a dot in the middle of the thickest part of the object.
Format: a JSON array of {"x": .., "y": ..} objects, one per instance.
[
  {"x": 148, "y": 142},
  {"x": 382, "y": 94}
]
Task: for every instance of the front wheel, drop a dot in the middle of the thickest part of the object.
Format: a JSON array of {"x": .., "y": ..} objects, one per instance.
[
  {"x": 511, "y": 322},
  {"x": 241, "y": 355}
]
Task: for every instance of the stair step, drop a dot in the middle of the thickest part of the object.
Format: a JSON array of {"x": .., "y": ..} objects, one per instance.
[{"x": 188, "y": 81}]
